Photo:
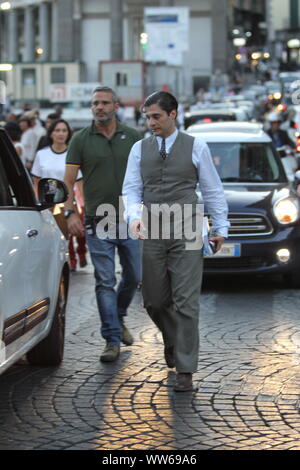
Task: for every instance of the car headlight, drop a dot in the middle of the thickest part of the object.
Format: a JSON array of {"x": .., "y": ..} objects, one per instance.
[{"x": 286, "y": 211}]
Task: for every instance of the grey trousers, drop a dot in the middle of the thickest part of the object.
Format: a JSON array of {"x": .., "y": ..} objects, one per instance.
[{"x": 172, "y": 278}]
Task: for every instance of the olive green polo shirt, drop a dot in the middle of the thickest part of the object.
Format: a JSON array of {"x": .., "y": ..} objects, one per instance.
[{"x": 102, "y": 162}]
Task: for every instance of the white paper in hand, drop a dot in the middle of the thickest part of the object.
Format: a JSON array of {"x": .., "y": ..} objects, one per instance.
[{"x": 207, "y": 249}]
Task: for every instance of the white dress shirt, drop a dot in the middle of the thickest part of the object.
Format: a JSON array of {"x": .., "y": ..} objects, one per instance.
[{"x": 210, "y": 184}]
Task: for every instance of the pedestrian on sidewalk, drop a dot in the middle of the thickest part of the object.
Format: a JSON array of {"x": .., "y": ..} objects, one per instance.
[
  {"x": 50, "y": 163},
  {"x": 44, "y": 139},
  {"x": 101, "y": 151},
  {"x": 165, "y": 169},
  {"x": 28, "y": 141}
]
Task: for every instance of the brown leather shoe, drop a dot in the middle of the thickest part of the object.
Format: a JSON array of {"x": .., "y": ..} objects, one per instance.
[
  {"x": 169, "y": 356},
  {"x": 184, "y": 382}
]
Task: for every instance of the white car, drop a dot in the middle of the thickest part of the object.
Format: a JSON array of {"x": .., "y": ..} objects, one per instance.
[
  {"x": 34, "y": 272},
  {"x": 240, "y": 105},
  {"x": 264, "y": 209},
  {"x": 208, "y": 115}
]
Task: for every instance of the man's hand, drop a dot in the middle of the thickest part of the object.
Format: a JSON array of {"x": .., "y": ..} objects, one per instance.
[
  {"x": 218, "y": 241},
  {"x": 75, "y": 226},
  {"x": 136, "y": 229}
]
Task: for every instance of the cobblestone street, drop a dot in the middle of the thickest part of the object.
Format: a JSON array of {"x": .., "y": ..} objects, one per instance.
[{"x": 248, "y": 379}]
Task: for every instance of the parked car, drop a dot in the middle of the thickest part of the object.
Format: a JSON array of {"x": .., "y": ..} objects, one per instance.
[
  {"x": 34, "y": 272},
  {"x": 264, "y": 236},
  {"x": 215, "y": 115}
]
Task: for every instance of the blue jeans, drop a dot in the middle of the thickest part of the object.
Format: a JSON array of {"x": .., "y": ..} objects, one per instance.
[{"x": 113, "y": 304}]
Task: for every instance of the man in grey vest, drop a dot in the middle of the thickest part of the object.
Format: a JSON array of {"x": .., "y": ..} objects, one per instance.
[{"x": 163, "y": 170}]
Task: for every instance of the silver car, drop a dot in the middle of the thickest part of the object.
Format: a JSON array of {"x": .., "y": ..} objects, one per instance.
[{"x": 34, "y": 272}]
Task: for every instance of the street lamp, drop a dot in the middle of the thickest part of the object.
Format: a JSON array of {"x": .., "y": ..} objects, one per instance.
[
  {"x": 5, "y": 67},
  {"x": 5, "y": 6},
  {"x": 293, "y": 43},
  {"x": 239, "y": 42}
]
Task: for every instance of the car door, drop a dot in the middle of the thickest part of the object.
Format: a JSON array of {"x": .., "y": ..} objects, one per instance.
[
  {"x": 13, "y": 257},
  {"x": 29, "y": 244}
]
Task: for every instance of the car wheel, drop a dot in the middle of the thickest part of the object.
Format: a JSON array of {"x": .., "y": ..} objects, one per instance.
[
  {"x": 292, "y": 279},
  {"x": 50, "y": 351}
]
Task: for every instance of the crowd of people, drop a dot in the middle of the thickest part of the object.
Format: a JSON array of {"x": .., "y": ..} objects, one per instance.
[
  {"x": 109, "y": 162},
  {"x": 42, "y": 147}
]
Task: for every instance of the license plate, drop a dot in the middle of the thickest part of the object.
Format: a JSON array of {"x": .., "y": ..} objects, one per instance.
[{"x": 228, "y": 250}]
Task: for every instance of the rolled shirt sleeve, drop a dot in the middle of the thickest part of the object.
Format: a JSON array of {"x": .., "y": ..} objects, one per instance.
[{"x": 133, "y": 185}]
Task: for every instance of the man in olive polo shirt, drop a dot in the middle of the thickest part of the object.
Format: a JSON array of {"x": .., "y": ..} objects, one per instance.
[{"x": 101, "y": 151}]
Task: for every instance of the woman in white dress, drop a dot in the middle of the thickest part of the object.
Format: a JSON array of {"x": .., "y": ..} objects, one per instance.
[{"x": 50, "y": 163}]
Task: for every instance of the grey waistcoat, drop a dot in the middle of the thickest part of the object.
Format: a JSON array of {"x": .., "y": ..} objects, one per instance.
[{"x": 172, "y": 180}]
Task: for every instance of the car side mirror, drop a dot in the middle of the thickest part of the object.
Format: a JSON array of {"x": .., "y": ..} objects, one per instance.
[{"x": 50, "y": 192}]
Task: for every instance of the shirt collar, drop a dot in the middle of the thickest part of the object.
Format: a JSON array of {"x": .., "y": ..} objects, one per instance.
[
  {"x": 119, "y": 128},
  {"x": 169, "y": 140}
]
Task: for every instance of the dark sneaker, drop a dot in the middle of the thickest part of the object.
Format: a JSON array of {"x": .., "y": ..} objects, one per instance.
[
  {"x": 111, "y": 353},
  {"x": 169, "y": 356},
  {"x": 126, "y": 336},
  {"x": 184, "y": 382}
]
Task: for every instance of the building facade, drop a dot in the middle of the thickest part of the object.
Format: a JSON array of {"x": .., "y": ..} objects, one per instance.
[
  {"x": 285, "y": 25},
  {"x": 56, "y": 42}
]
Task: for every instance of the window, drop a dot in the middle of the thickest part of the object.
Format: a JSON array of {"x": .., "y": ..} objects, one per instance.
[
  {"x": 15, "y": 187},
  {"x": 246, "y": 162},
  {"x": 5, "y": 194},
  {"x": 58, "y": 75},
  {"x": 121, "y": 79},
  {"x": 28, "y": 77}
]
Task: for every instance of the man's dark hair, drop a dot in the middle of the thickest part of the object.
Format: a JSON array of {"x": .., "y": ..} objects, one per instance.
[
  {"x": 14, "y": 131},
  {"x": 107, "y": 89},
  {"x": 25, "y": 119},
  {"x": 53, "y": 116},
  {"x": 53, "y": 126},
  {"x": 163, "y": 99}
]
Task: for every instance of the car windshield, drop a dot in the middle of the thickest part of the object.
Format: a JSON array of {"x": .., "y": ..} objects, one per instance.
[
  {"x": 247, "y": 162},
  {"x": 207, "y": 118}
]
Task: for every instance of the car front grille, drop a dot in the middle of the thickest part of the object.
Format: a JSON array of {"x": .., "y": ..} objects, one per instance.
[
  {"x": 235, "y": 263},
  {"x": 249, "y": 225}
]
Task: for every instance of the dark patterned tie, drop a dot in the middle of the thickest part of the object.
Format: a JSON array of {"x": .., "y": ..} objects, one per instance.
[{"x": 163, "y": 152}]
